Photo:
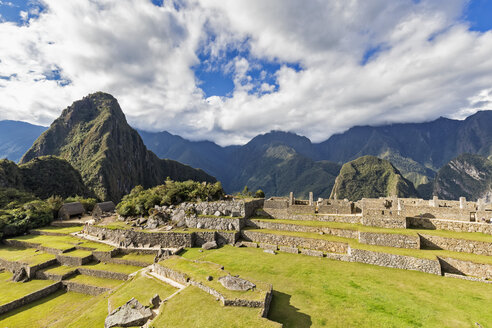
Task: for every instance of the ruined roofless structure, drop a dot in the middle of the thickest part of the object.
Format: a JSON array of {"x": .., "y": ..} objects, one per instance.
[
  {"x": 101, "y": 209},
  {"x": 70, "y": 210}
]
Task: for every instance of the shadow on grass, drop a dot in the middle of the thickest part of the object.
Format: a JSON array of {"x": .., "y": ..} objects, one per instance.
[{"x": 283, "y": 312}]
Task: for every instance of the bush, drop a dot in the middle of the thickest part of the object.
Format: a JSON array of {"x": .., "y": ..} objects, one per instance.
[
  {"x": 259, "y": 194},
  {"x": 140, "y": 201},
  {"x": 31, "y": 215},
  {"x": 88, "y": 203}
]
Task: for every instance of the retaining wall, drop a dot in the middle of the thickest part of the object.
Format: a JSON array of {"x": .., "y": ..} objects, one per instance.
[
  {"x": 389, "y": 239},
  {"x": 30, "y": 270},
  {"x": 73, "y": 260},
  {"x": 103, "y": 274},
  {"x": 30, "y": 298},
  {"x": 391, "y": 222},
  {"x": 459, "y": 226},
  {"x": 84, "y": 289},
  {"x": 456, "y": 245},
  {"x": 294, "y": 241},
  {"x": 468, "y": 268},
  {"x": 395, "y": 261}
]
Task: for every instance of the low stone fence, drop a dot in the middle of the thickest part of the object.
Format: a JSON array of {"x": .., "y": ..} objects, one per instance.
[
  {"x": 184, "y": 279},
  {"x": 259, "y": 224},
  {"x": 84, "y": 289},
  {"x": 132, "y": 237},
  {"x": 103, "y": 274},
  {"x": 389, "y": 239},
  {"x": 294, "y": 241},
  {"x": 73, "y": 260},
  {"x": 30, "y": 298},
  {"x": 468, "y": 268},
  {"x": 458, "y": 226},
  {"x": 395, "y": 261},
  {"x": 456, "y": 245}
]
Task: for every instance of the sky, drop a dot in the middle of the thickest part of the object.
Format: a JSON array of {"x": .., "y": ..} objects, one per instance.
[{"x": 227, "y": 71}]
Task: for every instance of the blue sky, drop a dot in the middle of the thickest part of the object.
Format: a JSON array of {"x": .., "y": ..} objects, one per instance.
[{"x": 228, "y": 70}]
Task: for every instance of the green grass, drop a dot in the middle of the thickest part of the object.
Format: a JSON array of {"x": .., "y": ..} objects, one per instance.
[
  {"x": 65, "y": 230},
  {"x": 28, "y": 256},
  {"x": 111, "y": 267},
  {"x": 60, "y": 269},
  {"x": 420, "y": 253},
  {"x": 63, "y": 242},
  {"x": 97, "y": 246},
  {"x": 96, "y": 281},
  {"x": 141, "y": 287},
  {"x": 77, "y": 253},
  {"x": 194, "y": 308},
  {"x": 317, "y": 292},
  {"x": 199, "y": 272},
  {"x": 478, "y": 236},
  {"x": 14, "y": 290},
  {"x": 144, "y": 258},
  {"x": 47, "y": 312}
]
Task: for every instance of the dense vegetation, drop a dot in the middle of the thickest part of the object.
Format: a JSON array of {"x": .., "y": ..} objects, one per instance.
[
  {"x": 140, "y": 201},
  {"x": 92, "y": 135},
  {"x": 371, "y": 177}
]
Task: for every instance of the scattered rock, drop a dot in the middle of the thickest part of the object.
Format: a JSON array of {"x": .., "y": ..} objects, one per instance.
[
  {"x": 155, "y": 301},
  {"x": 199, "y": 225},
  {"x": 209, "y": 245},
  {"x": 209, "y": 278},
  {"x": 236, "y": 283},
  {"x": 128, "y": 315},
  {"x": 20, "y": 275},
  {"x": 142, "y": 220},
  {"x": 269, "y": 251},
  {"x": 217, "y": 213}
]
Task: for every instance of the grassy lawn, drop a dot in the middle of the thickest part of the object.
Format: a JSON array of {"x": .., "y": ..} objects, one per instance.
[
  {"x": 199, "y": 272},
  {"x": 96, "y": 281},
  {"x": 141, "y": 287},
  {"x": 195, "y": 308},
  {"x": 60, "y": 269},
  {"x": 478, "y": 236},
  {"x": 421, "y": 253},
  {"x": 111, "y": 267},
  {"x": 317, "y": 292},
  {"x": 63, "y": 242},
  {"x": 77, "y": 253},
  {"x": 65, "y": 230},
  {"x": 144, "y": 258},
  {"x": 46, "y": 312},
  {"x": 28, "y": 256},
  {"x": 14, "y": 290}
]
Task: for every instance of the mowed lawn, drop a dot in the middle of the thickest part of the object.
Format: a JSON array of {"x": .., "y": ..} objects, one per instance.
[{"x": 317, "y": 292}]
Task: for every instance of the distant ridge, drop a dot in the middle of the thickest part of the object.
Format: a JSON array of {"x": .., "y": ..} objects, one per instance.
[{"x": 16, "y": 137}]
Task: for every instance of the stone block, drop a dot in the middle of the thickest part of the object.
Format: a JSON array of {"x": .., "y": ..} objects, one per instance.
[
  {"x": 311, "y": 252},
  {"x": 288, "y": 249},
  {"x": 268, "y": 246}
]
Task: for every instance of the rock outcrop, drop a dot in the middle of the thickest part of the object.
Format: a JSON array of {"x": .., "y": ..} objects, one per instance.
[
  {"x": 236, "y": 283},
  {"x": 131, "y": 314}
]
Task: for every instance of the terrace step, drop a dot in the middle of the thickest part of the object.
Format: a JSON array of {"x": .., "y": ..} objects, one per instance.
[{"x": 57, "y": 273}]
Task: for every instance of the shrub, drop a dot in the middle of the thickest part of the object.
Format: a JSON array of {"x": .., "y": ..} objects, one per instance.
[
  {"x": 259, "y": 194},
  {"x": 88, "y": 203}
]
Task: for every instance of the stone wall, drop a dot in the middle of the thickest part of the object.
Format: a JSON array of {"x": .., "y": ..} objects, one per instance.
[
  {"x": 171, "y": 274},
  {"x": 334, "y": 206},
  {"x": 84, "y": 289},
  {"x": 389, "y": 239},
  {"x": 294, "y": 241},
  {"x": 456, "y": 245},
  {"x": 284, "y": 215},
  {"x": 129, "y": 237},
  {"x": 73, "y": 260},
  {"x": 30, "y": 270},
  {"x": 395, "y": 261},
  {"x": 214, "y": 223},
  {"x": 30, "y": 298},
  {"x": 468, "y": 268},
  {"x": 259, "y": 224},
  {"x": 459, "y": 226},
  {"x": 384, "y": 221},
  {"x": 103, "y": 274},
  {"x": 233, "y": 208}
]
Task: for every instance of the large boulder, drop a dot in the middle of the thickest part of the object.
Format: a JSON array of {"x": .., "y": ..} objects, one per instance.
[
  {"x": 210, "y": 245},
  {"x": 236, "y": 283},
  {"x": 131, "y": 314},
  {"x": 20, "y": 275}
]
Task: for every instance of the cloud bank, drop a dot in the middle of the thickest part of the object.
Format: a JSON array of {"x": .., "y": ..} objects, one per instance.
[{"x": 337, "y": 63}]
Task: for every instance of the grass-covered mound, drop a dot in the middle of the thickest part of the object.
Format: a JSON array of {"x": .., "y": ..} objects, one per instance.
[
  {"x": 317, "y": 292},
  {"x": 371, "y": 177},
  {"x": 140, "y": 201}
]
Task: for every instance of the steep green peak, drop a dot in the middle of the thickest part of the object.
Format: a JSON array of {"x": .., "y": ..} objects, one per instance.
[{"x": 370, "y": 177}]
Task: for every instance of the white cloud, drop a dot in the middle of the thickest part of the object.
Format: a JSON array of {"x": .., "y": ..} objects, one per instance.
[{"x": 429, "y": 63}]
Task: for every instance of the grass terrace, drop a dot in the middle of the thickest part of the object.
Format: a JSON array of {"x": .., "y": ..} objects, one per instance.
[
  {"x": 421, "y": 253},
  {"x": 204, "y": 311},
  {"x": 478, "y": 236},
  {"x": 63, "y": 242},
  {"x": 198, "y": 271},
  {"x": 28, "y": 256},
  {"x": 78, "y": 253},
  {"x": 144, "y": 258},
  {"x": 54, "y": 310},
  {"x": 60, "y": 269},
  {"x": 14, "y": 290},
  {"x": 95, "y": 281},
  {"x": 64, "y": 230},
  {"x": 141, "y": 287},
  {"x": 111, "y": 267},
  {"x": 318, "y": 292}
]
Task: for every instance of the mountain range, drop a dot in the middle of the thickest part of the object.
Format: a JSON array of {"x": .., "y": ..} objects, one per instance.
[{"x": 279, "y": 162}]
